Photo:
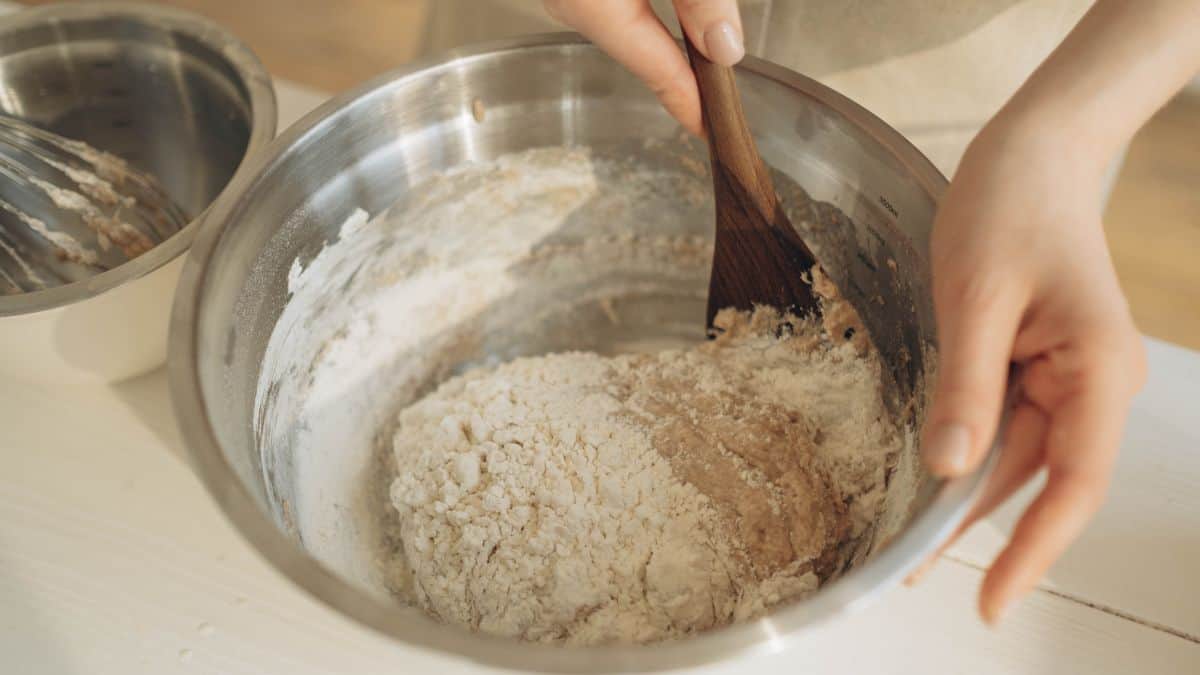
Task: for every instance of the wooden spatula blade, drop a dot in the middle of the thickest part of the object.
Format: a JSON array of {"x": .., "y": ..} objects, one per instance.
[
  {"x": 758, "y": 257},
  {"x": 759, "y": 263}
]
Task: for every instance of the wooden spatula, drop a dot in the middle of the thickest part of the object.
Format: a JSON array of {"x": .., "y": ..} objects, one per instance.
[{"x": 758, "y": 259}]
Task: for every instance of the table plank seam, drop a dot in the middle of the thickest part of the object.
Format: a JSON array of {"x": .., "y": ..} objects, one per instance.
[{"x": 1100, "y": 607}]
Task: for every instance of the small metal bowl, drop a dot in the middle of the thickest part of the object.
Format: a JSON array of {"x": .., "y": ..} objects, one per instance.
[
  {"x": 173, "y": 94},
  {"x": 875, "y": 194}
]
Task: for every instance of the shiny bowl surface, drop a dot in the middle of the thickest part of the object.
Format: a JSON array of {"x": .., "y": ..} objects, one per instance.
[
  {"x": 369, "y": 148},
  {"x": 172, "y": 93}
]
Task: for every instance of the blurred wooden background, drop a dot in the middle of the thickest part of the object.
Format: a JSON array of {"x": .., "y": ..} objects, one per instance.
[{"x": 1153, "y": 220}]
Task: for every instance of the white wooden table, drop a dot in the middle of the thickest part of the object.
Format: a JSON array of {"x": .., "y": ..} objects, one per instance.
[{"x": 114, "y": 560}]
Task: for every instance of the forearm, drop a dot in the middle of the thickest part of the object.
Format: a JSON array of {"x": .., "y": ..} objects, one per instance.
[{"x": 1124, "y": 60}]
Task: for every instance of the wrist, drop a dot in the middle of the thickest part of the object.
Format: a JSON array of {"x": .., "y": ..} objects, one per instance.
[{"x": 1053, "y": 133}]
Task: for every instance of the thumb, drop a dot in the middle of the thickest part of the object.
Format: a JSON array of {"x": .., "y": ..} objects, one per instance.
[
  {"x": 715, "y": 27},
  {"x": 977, "y": 324}
]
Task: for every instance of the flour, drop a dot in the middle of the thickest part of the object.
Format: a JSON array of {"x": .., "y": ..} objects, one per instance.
[
  {"x": 529, "y": 509},
  {"x": 599, "y": 258},
  {"x": 585, "y": 499}
]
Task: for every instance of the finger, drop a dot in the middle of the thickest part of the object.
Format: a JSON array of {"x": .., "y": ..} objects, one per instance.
[
  {"x": 1081, "y": 445},
  {"x": 1019, "y": 460},
  {"x": 977, "y": 323},
  {"x": 629, "y": 31},
  {"x": 715, "y": 27},
  {"x": 1065, "y": 371}
]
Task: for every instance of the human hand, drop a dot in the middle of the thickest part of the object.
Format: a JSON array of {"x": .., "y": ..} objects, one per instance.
[
  {"x": 629, "y": 31},
  {"x": 1021, "y": 274}
]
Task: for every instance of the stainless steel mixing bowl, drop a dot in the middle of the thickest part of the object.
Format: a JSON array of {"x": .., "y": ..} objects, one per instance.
[
  {"x": 175, "y": 95},
  {"x": 867, "y": 197}
]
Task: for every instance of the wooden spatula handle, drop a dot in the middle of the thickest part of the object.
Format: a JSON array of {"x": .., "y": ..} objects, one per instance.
[{"x": 731, "y": 144}]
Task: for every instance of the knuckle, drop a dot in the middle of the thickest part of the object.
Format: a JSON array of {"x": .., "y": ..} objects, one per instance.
[
  {"x": 1039, "y": 384},
  {"x": 1073, "y": 372},
  {"x": 1116, "y": 359},
  {"x": 671, "y": 86},
  {"x": 1097, "y": 355}
]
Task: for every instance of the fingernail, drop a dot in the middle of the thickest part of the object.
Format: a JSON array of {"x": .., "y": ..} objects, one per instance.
[
  {"x": 724, "y": 44},
  {"x": 947, "y": 449}
]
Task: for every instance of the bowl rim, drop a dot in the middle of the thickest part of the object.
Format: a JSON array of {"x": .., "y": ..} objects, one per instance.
[
  {"x": 263, "y": 120},
  {"x": 770, "y": 634}
]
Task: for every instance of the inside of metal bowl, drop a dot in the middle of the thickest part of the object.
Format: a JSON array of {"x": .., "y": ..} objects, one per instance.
[
  {"x": 162, "y": 90},
  {"x": 136, "y": 86},
  {"x": 309, "y": 441}
]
